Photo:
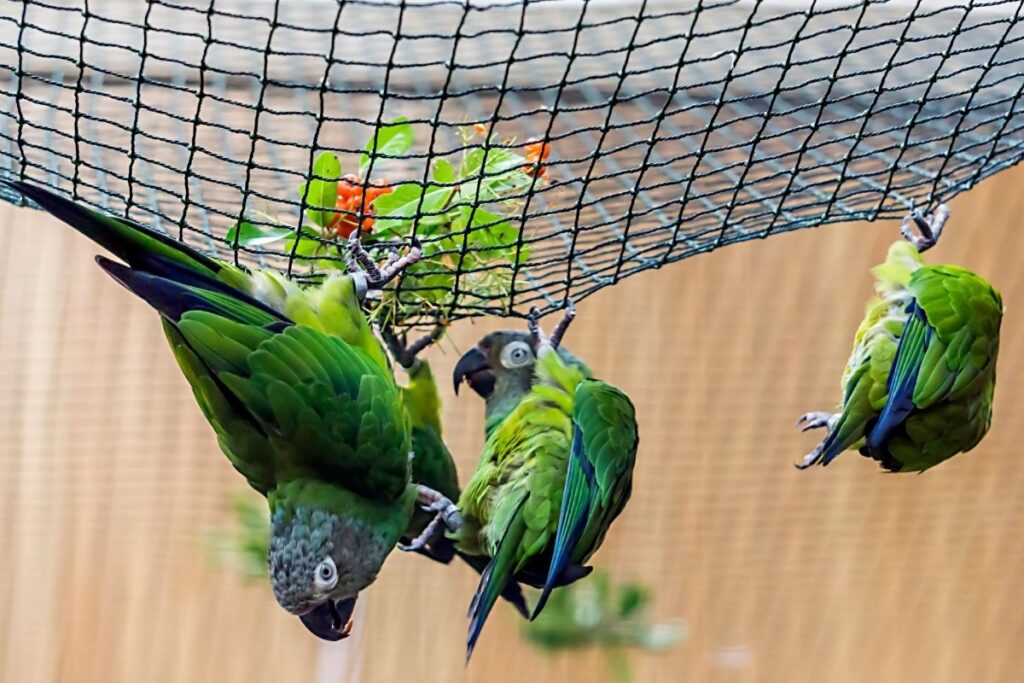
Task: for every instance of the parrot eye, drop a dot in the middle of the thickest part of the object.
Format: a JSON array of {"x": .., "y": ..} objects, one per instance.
[
  {"x": 326, "y": 576},
  {"x": 516, "y": 354}
]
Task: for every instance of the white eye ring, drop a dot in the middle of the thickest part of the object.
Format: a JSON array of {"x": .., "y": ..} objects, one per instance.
[
  {"x": 516, "y": 354},
  {"x": 326, "y": 575}
]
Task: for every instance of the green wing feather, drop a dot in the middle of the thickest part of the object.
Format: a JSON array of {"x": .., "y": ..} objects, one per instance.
[
  {"x": 514, "y": 502},
  {"x": 331, "y": 306},
  {"x": 966, "y": 313},
  {"x": 432, "y": 463},
  {"x": 134, "y": 243},
  {"x": 921, "y": 381},
  {"x": 598, "y": 479},
  {"x": 296, "y": 402}
]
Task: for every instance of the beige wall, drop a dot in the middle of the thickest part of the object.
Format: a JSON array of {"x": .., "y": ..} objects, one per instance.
[{"x": 110, "y": 479}]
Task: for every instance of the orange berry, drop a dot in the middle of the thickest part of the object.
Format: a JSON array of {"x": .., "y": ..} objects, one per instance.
[
  {"x": 537, "y": 154},
  {"x": 351, "y": 201}
]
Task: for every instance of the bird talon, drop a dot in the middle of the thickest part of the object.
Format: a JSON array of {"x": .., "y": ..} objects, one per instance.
[
  {"x": 930, "y": 227},
  {"x": 406, "y": 354},
  {"x": 358, "y": 260},
  {"x": 537, "y": 336},
  {"x": 446, "y": 514},
  {"x": 815, "y": 420},
  {"x": 811, "y": 458}
]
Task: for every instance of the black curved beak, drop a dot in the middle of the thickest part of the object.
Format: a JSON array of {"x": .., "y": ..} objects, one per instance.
[
  {"x": 331, "y": 620},
  {"x": 474, "y": 368}
]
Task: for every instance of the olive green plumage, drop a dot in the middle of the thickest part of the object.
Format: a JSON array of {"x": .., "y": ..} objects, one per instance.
[
  {"x": 301, "y": 397},
  {"x": 555, "y": 471},
  {"x": 919, "y": 385},
  {"x": 432, "y": 463}
]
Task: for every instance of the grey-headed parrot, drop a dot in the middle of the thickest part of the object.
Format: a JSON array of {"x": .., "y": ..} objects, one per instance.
[
  {"x": 556, "y": 467},
  {"x": 300, "y": 395}
]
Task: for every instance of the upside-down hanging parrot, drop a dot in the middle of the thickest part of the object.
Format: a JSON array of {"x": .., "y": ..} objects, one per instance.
[
  {"x": 300, "y": 394},
  {"x": 556, "y": 467},
  {"x": 918, "y": 387}
]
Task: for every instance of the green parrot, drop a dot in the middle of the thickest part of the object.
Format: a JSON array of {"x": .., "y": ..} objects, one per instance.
[
  {"x": 556, "y": 468},
  {"x": 301, "y": 396},
  {"x": 918, "y": 387},
  {"x": 432, "y": 464}
]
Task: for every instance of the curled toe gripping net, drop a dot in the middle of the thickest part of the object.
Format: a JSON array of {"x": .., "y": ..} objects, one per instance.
[{"x": 533, "y": 150}]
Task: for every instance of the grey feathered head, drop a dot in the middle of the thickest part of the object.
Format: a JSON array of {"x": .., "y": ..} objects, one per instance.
[{"x": 318, "y": 563}]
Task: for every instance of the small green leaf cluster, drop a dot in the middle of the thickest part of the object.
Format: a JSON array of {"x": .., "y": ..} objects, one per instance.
[{"x": 462, "y": 218}]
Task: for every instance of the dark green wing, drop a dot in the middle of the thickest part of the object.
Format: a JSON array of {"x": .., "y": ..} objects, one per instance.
[
  {"x": 285, "y": 400},
  {"x": 948, "y": 346},
  {"x": 138, "y": 246},
  {"x": 323, "y": 407},
  {"x": 432, "y": 463},
  {"x": 965, "y": 313},
  {"x": 599, "y": 477}
]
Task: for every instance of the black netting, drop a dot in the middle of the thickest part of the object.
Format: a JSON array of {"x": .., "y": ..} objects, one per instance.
[{"x": 674, "y": 127}]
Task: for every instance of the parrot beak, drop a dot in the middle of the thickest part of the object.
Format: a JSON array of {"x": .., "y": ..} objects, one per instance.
[
  {"x": 331, "y": 620},
  {"x": 474, "y": 368}
]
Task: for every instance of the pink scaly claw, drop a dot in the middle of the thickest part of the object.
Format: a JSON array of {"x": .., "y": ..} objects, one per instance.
[{"x": 930, "y": 227}]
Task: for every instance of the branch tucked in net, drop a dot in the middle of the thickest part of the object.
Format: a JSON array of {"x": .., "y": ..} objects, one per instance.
[{"x": 671, "y": 128}]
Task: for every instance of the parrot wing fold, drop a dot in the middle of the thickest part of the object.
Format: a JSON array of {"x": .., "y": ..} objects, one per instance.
[
  {"x": 324, "y": 407},
  {"x": 598, "y": 478},
  {"x": 906, "y": 367}
]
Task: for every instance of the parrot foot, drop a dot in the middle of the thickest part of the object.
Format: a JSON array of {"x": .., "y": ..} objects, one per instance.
[
  {"x": 446, "y": 515},
  {"x": 537, "y": 335},
  {"x": 930, "y": 227},
  {"x": 811, "y": 458},
  {"x": 406, "y": 354},
  {"x": 359, "y": 261},
  {"x": 817, "y": 420}
]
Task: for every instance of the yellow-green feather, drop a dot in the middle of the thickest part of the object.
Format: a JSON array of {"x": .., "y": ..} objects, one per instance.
[{"x": 955, "y": 372}]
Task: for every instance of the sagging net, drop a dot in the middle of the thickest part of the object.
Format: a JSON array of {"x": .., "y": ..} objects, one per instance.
[{"x": 534, "y": 150}]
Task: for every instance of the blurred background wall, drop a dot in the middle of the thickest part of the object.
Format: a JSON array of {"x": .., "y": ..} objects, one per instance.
[{"x": 110, "y": 481}]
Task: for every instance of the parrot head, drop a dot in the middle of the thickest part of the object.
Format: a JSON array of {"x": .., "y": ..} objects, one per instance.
[
  {"x": 318, "y": 563},
  {"x": 501, "y": 366},
  {"x": 500, "y": 363}
]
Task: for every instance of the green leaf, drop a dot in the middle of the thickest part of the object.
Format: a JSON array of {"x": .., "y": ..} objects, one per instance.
[
  {"x": 252, "y": 235},
  {"x": 634, "y": 598},
  {"x": 444, "y": 172},
  {"x": 501, "y": 160},
  {"x": 489, "y": 229},
  {"x": 392, "y": 139},
  {"x": 502, "y": 176},
  {"x": 396, "y": 210},
  {"x": 306, "y": 249},
  {"x": 472, "y": 159},
  {"x": 320, "y": 193},
  {"x": 660, "y": 636}
]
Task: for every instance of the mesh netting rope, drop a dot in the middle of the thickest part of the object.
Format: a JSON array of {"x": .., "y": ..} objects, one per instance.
[{"x": 674, "y": 128}]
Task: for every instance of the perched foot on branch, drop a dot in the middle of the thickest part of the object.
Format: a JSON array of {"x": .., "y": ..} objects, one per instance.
[
  {"x": 359, "y": 262},
  {"x": 447, "y": 516},
  {"x": 930, "y": 227}
]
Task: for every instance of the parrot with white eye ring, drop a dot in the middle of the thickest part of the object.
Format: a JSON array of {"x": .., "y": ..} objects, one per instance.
[
  {"x": 556, "y": 468},
  {"x": 301, "y": 397}
]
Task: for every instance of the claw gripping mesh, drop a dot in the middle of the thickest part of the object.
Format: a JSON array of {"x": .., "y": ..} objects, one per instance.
[{"x": 675, "y": 126}]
